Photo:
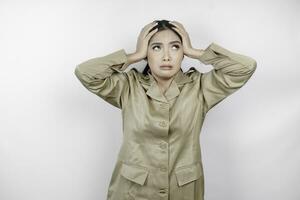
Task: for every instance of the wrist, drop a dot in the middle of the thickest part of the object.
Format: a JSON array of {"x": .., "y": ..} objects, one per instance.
[
  {"x": 132, "y": 58},
  {"x": 196, "y": 53}
]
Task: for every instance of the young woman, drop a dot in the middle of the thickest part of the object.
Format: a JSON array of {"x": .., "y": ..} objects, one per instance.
[{"x": 163, "y": 109}]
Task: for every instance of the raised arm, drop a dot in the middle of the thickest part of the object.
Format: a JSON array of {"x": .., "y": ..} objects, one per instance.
[
  {"x": 105, "y": 77},
  {"x": 230, "y": 72}
]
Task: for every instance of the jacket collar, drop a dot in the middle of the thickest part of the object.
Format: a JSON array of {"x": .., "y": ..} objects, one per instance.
[{"x": 150, "y": 84}]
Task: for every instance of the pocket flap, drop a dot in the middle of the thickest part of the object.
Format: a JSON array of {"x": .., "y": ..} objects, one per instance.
[
  {"x": 134, "y": 173},
  {"x": 188, "y": 173}
]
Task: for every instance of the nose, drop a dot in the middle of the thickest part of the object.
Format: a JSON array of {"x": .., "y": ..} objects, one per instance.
[{"x": 166, "y": 55}]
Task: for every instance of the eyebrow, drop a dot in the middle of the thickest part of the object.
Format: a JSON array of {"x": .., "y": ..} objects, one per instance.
[{"x": 176, "y": 41}]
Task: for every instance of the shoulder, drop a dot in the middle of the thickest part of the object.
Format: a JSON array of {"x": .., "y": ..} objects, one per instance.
[
  {"x": 193, "y": 73},
  {"x": 134, "y": 75}
]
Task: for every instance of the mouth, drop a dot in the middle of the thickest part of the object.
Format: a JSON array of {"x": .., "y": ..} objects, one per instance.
[{"x": 167, "y": 67}]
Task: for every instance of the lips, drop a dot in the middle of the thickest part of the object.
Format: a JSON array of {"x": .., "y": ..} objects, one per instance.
[{"x": 166, "y": 66}]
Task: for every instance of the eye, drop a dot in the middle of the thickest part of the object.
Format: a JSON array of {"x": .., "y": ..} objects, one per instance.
[
  {"x": 155, "y": 47},
  {"x": 177, "y": 46}
]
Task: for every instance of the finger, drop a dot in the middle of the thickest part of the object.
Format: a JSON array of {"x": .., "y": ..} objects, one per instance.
[
  {"x": 178, "y": 25},
  {"x": 183, "y": 34},
  {"x": 150, "y": 25},
  {"x": 175, "y": 23},
  {"x": 147, "y": 29},
  {"x": 178, "y": 30},
  {"x": 148, "y": 36}
]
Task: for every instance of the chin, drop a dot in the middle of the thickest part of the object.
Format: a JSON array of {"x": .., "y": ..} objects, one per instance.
[
  {"x": 169, "y": 74},
  {"x": 166, "y": 74}
]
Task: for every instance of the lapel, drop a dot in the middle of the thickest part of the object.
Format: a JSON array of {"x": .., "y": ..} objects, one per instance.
[{"x": 152, "y": 89}]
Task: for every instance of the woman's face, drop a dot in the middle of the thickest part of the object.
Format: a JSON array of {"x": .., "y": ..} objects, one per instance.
[{"x": 164, "y": 48}]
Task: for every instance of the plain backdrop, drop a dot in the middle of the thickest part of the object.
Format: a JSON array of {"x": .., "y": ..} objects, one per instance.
[{"x": 59, "y": 141}]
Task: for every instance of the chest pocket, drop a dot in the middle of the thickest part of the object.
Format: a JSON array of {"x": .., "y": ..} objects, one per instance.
[
  {"x": 187, "y": 174},
  {"x": 134, "y": 173}
]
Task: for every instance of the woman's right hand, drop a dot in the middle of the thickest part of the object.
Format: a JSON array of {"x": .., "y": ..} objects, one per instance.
[
  {"x": 142, "y": 42},
  {"x": 143, "y": 39}
]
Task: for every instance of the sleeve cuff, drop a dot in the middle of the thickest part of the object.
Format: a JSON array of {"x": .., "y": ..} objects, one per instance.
[
  {"x": 120, "y": 60},
  {"x": 211, "y": 52},
  {"x": 214, "y": 50}
]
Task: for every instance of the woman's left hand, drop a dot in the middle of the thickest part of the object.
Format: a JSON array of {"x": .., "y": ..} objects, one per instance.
[{"x": 188, "y": 50}]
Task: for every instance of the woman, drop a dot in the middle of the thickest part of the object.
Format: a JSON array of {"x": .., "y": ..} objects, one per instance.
[{"x": 163, "y": 109}]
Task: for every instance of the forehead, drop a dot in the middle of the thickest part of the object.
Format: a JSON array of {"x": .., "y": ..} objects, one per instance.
[{"x": 164, "y": 36}]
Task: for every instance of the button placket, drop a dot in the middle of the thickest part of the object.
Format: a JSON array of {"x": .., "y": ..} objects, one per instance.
[
  {"x": 163, "y": 169},
  {"x": 164, "y": 106},
  {"x": 163, "y": 190},
  {"x": 163, "y": 145},
  {"x": 163, "y": 123}
]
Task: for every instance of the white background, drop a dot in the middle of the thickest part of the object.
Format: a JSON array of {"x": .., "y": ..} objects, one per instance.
[{"x": 59, "y": 141}]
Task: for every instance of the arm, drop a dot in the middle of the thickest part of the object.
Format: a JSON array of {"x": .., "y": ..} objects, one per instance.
[
  {"x": 105, "y": 77},
  {"x": 231, "y": 71}
]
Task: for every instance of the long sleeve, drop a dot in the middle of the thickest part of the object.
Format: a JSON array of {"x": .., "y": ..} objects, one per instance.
[
  {"x": 230, "y": 72},
  {"x": 105, "y": 77}
]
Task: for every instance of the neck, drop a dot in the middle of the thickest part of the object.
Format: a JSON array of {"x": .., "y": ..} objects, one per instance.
[{"x": 163, "y": 84}]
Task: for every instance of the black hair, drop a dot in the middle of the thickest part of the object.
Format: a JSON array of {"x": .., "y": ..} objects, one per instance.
[{"x": 162, "y": 25}]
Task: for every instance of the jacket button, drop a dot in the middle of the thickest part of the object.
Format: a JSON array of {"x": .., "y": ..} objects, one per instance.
[
  {"x": 163, "y": 169},
  {"x": 163, "y": 190},
  {"x": 163, "y": 106},
  {"x": 163, "y": 124},
  {"x": 163, "y": 145}
]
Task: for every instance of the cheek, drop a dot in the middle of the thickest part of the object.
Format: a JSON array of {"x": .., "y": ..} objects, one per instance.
[
  {"x": 152, "y": 59},
  {"x": 177, "y": 54},
  {"x": 178, "y": 58},
  {"x": 152, "y": 62}
]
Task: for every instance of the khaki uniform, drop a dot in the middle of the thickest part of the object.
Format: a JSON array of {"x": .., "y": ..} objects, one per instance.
[{"x": 160, "y": 156}]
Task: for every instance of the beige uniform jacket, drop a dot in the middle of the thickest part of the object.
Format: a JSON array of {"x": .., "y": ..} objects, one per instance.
[{"x": 160, "y": 156}]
